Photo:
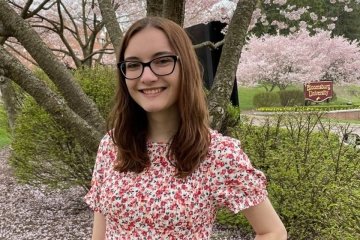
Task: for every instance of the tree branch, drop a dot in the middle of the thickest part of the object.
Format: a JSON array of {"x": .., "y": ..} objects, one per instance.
[
  {"x": 26, "y": 8},
  {"x": 40, "y": 7},
  {"x": 61, "y": 20},
  {"x": 111, "y": 24},
  {"x": 50, "y": 101},
  {"x": 22, "y": 55},
  {"x": 57, "y": 72},
  {"x": 75, "y": 33},
  {"x": 84, "y": 17},
  {"x": 101, "y": 51},
  {"x": 26, "y": 14},
  {"x": 209, "y": 44}
]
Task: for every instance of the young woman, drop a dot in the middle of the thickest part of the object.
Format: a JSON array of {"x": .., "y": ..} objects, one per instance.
[{"x": 161, "y": 172}]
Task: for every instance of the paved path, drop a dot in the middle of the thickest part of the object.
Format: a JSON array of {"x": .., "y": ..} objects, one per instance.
[{"x": 260, "y": 118}]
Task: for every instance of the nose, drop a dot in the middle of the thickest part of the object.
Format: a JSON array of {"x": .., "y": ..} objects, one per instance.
[{"x": 148, "y": 76}]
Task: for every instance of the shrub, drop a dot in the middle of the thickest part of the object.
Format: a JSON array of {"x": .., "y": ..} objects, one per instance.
[
  {"x": 99, "y": 84},
  {"x": 291, "y": 98},
  {"x": 313, "y": 179},
  {"x": 231, "y": 119},
  {"x": 266, "y": 99},
  {"x": 45, "y": 153}
]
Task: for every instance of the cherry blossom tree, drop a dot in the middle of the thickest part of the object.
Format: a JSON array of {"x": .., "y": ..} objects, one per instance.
[
  {"x": 285, "y": 16},
  {"x": 74, "y": 30},
  {"x": 278, "y": 60}
]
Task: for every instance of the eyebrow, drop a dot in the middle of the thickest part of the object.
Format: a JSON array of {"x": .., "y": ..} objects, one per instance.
[{"x": 158, "y": 54}]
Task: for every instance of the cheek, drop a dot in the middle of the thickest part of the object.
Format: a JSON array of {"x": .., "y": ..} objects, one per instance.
[
  {"x": 129, "y": 86},
  {"x": 177, "y": 77},
  {"x": 179, "y": 80}
]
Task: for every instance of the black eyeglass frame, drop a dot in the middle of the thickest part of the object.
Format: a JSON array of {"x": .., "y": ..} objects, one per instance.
[{"x": 147, "y": 64}]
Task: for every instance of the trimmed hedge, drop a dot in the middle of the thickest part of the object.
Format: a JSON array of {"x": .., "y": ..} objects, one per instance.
[
  {"x": 291, "y": 98},
  {"x": 266, "y": 99},
  {"x": 316, "y": 108}
]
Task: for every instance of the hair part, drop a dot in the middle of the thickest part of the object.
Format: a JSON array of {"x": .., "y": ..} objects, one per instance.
[{"x": 128, "y": 124}]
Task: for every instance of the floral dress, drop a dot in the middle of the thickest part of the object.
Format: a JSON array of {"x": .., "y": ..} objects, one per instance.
[{"x": 155, "y": 204}]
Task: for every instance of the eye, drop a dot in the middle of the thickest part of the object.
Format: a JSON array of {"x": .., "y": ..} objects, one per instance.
[
  {"x": 132, "y": 66},
  {"x": 163, "y": 61}
]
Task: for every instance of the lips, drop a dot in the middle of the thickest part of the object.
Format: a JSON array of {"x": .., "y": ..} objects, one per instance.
[{"x": 152, "y": 91}]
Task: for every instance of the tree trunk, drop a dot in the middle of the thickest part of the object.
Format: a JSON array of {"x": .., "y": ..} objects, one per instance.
[
  {"x": 154, "y": 8},
  {"x": 174, "y": 10},
  {"x": 50, "y": 101},
  {"x": 112, "y": 26},
  {"x": 57, "y": 72},
  {"x": 10, "y": 100},
  {"x": 8, "y": 94},
  {"x": 234, "y": 41},
  {"x": 87, "y": 61}
]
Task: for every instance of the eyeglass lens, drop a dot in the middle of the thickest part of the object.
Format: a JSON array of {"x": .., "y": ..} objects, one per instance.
[{"x": 160, "y": 66}]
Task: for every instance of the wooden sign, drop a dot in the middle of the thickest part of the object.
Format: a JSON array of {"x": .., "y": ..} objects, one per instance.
[{"x": 318, "y": 91}]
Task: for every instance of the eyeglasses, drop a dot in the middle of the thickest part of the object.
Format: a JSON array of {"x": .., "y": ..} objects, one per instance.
[{"x": 160, "y": 66}]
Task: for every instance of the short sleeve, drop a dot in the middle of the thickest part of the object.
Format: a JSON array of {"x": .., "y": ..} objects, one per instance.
[
  {"x": 102, "y": 164},
  {"x": 236, "y": 184}
]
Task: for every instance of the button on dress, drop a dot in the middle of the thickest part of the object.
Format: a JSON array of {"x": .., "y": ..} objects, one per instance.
[{"x": 154, "y": 204}]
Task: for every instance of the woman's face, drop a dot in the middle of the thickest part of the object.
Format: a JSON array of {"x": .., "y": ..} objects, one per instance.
[{"x": 154, "y": 93}]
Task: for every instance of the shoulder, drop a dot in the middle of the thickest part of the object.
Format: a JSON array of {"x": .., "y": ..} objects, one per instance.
[
  {"x": 106, "y": 148},
  {"x": 106, "y": 141},
  {"x": 226, "y": 151},
  {"x": 221, "y": 143}
]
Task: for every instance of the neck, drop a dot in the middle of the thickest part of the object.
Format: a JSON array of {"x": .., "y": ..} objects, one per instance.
[{"x": 162, "y": 127}]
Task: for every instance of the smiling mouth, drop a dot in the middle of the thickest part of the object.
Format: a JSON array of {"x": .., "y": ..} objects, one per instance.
[{"x": 152, "y": 91}]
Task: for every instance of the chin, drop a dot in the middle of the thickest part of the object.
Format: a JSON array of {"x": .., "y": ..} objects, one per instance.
[{"x": 152, "y": 109}]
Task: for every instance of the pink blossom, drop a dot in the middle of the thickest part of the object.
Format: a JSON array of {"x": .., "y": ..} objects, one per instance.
[
  {"x": 331, "y": 26},
  {"x": 313, "y": 16},
  {"x": 295, "y": 14},
  {"x": 280, "y": 2},
  {"x": 347, "y": 9},
  {"x": 299, "y": 58}
]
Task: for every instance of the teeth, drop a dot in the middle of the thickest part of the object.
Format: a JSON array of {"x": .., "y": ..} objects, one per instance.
[{"x": 152, "y": 91}]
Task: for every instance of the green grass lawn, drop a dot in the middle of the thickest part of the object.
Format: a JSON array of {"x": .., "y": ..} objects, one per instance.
[
  {"x": 344, "y": 95},
  {"x": 4, "y": 133},
  {"x": 246, "y": 95}
]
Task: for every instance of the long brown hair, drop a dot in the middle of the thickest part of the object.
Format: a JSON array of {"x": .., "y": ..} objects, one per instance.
[{"x": 128, "y": 123}]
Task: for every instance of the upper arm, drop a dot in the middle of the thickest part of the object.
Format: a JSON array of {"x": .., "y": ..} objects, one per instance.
[
  {"x": 99, "y": 226},
  {"x": 235, "y": 183},
  {"x": 103, "y": 163},
  {"x": 265, "y": 221}
]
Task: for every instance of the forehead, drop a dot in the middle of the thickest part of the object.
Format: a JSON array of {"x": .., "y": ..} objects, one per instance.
[{"x": 147, "y": 43}]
